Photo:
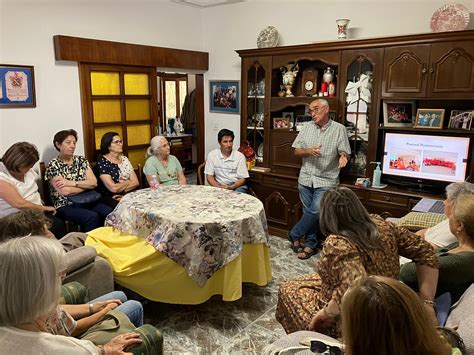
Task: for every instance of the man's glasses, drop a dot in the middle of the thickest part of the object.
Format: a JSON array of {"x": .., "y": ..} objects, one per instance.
[
  {"x": 321, "y": 348},
  {"x": 118, "y": 142},
  {"x": 315, "y": 110}
]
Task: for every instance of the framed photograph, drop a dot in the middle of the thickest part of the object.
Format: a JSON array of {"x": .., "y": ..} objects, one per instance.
[
  {"x": 461, "y": 119},
  {"x": 289, "y": 115},
  {"x": 398, "y": 113},
  {"x": 429, "y": 118},
  {"x": 281, "y": 123},
  {"x": 17, "y": 86},
  {"x": 224, "y": 96}
]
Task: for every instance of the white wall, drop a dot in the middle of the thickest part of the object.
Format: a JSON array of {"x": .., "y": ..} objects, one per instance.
[
  {"x": 26, "y": 38},
  {"x": 226, "y": 28},
  {"x": 26, "y": 35}
]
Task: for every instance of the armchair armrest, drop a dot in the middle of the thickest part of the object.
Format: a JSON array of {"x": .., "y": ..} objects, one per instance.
[{"x": 80, "y": 257}]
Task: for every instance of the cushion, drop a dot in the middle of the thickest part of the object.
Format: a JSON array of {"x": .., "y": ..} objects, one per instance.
[
  {"x": 420, "y": 220},
  {"x": 463, "y": 316}
]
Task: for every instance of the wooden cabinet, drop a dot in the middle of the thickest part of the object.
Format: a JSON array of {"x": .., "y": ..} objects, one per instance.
[
  {"x": 182, "y": 148},
  {"x": 435, "y": 70},
  {"x": 444, "y": 70}
]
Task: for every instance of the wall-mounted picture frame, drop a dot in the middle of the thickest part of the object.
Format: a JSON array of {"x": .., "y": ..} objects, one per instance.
[
  {"x": 461, "y": 119},
  {"x": 400, "y": 113},
  {"x": 17, "y": 86},
  {"x": 429, "y": 118},
  {"x": 281, "y": 123},
  {"x": 224, "y": 96}
]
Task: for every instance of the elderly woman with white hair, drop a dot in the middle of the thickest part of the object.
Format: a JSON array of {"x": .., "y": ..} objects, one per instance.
[
  {"x": 440, "y": 236},
  {"x": 162, "y": 164},
  {"x": 30, "y": 281}
]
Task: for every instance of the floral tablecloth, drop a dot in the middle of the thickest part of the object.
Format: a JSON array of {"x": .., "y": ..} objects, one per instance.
[{"x": 201, "y": 228}]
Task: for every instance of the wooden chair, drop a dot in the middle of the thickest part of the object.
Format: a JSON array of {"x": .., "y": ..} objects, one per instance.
[{"x": 200, "y": 174}]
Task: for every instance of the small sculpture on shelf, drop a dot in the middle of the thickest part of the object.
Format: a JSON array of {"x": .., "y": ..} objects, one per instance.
[
  {"x": 178, "y": 126},
  {"x": 328, "y": 87},
  {"x": 289, "y": 71}
]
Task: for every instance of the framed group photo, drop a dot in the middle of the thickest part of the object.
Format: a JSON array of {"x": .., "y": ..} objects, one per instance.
[
  {"x": 281, "y": 123},
  {"x": 429, "y": 118},
  {"x": 461, "y": 119},
  {"x": 399, "y": 113},
  {"x": 224, "y": 96},
  {"x": 17, "y": 86}
]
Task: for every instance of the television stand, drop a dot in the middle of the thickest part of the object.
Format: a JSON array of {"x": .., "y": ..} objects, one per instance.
[
  {"x": 392, "y": 201},
  {"x": 417, "y": 187}
]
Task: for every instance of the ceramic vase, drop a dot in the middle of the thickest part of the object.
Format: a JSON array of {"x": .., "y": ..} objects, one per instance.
[{"x": 342, "y": 28}]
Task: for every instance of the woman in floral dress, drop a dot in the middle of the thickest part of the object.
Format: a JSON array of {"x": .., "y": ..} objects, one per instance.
[{"x": 357, "y": 245}]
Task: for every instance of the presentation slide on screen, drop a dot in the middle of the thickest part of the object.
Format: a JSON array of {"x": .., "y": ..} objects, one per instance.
[{"x": 426, "y": 157}]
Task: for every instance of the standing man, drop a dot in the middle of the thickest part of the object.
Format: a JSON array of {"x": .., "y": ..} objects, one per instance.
[
  {"x": 225, "y": 167},
  {"x": 324, "y": 148}
]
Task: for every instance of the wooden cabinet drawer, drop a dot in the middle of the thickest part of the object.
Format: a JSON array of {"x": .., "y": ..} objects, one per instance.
[
  {"x": 273, "y": 180},
  {"x": 389, "y": 199}
]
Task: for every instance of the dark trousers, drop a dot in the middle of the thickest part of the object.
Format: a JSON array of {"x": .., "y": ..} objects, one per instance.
[
  {"x": 90, "y": 216},
  {"x": 58, "y": 226}
]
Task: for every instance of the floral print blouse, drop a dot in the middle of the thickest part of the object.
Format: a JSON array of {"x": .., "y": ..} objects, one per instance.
[{"x": 74, "y": 172}]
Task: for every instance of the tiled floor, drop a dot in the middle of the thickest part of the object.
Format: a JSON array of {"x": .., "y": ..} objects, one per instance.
[{"x": 218, "y": 327}]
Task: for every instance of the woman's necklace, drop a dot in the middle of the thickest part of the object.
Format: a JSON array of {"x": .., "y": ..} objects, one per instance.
[{"x": 112, "y": 159}]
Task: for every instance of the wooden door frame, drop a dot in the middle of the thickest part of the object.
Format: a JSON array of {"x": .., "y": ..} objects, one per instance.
[{"x": 86, "y": 50}]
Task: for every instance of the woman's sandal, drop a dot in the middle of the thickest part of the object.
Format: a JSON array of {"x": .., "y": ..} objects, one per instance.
[
  {"x": 307, "y": 254},
  {"x": 295, "y": 248}
]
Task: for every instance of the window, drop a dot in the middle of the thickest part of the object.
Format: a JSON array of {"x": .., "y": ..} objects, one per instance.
[
  {"x": 174, "y": 88},
  {"x": 122, "y": 100}
]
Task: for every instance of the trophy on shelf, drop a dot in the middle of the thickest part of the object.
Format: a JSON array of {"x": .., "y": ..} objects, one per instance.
[{"x": 289, "y": 73}]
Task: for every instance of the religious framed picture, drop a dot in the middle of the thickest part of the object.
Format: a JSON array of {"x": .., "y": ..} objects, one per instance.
[
  {"x": 398, "y": 113},
  {"x": 461, "y": 119},
  {"x": 224, "y": 96},
  {"x": 281, "y": 123},
  {"x": 17, "y": 86},
  {"x": 429, "y": 118}
]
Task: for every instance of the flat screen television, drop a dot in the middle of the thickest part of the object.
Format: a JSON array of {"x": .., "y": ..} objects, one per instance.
[{"x": 424, "y": 162}]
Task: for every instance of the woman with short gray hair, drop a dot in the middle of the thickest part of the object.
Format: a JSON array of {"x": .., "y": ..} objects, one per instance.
[
  {"x": 440, "y": 236},
  {"x": 160, "y": 164},
  {"x": 30, "y": 280},
  {"x": 357, "y": 244}
]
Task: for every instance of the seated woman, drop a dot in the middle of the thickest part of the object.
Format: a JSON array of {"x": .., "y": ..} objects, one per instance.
[
  {"x": 440, "y": 236},
  {"x": 116, "y": 173},
  {"x": 382, "y": 316},
  {"x": 69, "y": 175},
  {"x": 160, "y": 163},
  {"x": 18, "y": 187},
  {"x": 356, "y": 245},
  {"x": 30, "y": 279},
  {"x": 456, "y": 273}
]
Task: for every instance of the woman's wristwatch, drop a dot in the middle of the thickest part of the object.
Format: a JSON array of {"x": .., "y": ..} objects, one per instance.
[{"x": 91, "y": 308}]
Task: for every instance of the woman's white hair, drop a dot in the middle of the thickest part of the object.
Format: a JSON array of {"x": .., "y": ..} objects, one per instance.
[
  {"x": 30, "y": 279},
  {"x": 456, "y": 189},
  {"x": 155, "y": 145}
]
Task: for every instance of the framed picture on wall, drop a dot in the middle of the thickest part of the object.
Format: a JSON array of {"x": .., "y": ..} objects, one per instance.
[
  {"x": 17, "y": 86},
  {"x": 224, "y": 96},
  {"x": 398, "y": 113}
]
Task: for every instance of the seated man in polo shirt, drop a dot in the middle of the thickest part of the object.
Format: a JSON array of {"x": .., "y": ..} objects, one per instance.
[{"x": 225, "y": 167}]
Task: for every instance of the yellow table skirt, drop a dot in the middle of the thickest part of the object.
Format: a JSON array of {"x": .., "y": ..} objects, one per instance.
[{"x": 141, "y": 268}]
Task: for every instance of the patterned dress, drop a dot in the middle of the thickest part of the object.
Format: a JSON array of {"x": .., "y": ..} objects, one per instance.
[{"x": 342, "y": 262}]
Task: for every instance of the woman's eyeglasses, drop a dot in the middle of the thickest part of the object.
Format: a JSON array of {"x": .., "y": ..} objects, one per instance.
[
  {"x": 118, "y": 142},
  {"x": 321, "y": 348}
]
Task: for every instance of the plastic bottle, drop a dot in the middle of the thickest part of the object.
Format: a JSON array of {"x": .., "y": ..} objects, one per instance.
[
  {"x": 377, "y": 174},
  {"x": 154, "y": 182}
]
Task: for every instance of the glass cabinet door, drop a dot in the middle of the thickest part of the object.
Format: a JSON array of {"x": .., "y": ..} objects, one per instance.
[{"x": 255, "y": 109}]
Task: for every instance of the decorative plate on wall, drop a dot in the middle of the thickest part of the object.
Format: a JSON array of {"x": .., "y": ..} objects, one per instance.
[
  {"x": 268, "y": 37},
  {"x": 450, "y": 17}
]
